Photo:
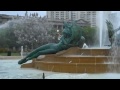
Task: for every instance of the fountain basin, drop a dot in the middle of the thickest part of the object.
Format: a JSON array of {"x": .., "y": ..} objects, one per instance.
[
  {"x": 71, "y": 61},
  {"x": 70, "y": 67}
]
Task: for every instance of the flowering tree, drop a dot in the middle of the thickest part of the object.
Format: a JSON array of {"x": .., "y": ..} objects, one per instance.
[{"x": 31, "y": 31}]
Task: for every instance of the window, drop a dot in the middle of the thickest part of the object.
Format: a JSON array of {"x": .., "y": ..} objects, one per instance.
[
  {"x": 94, "y": 12},
  {"x": 56, "y": 18}
]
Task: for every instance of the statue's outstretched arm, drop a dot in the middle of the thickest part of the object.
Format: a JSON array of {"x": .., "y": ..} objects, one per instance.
[{"x": 43, "y": 52}]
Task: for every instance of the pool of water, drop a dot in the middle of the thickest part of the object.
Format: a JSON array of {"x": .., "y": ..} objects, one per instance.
[
  {"x": 97, "y": 47},
  {"x": 9, "y": 69}
]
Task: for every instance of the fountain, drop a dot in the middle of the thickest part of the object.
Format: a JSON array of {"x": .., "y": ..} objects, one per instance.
[
  {"x": 115, "y": 50},
  {"x": 103, "y": 33},
  {"x": 74, "y": 60},
  {"x": 81, "y": 60},
  {"x": 101, "y": 27}
]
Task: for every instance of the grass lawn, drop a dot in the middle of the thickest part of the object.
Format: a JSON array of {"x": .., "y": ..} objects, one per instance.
[{"x": 12, "y": 54}]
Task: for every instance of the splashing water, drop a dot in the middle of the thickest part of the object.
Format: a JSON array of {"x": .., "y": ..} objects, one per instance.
[
  {"x": 115, "y": 49},
  {"x": 101, "y": 27}
]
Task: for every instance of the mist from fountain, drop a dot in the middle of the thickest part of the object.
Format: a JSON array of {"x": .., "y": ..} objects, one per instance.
[
  {"x": 103, "y": 33},
  {"x": 101, "y": 27},
  {"x": 115, "y": 50},
  {"x": 21, "y": 51},
  {"x": 4, "y": 25}
]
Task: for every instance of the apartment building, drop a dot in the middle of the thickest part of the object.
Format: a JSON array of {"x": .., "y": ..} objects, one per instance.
[
  {"x": 89, "y": 16},
  {"x": 59, "y": 15}
]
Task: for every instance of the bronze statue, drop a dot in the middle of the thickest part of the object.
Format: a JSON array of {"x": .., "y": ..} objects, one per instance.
[
  {"x": 111, "y": 31},
  {"x": 72, "y": 37}
]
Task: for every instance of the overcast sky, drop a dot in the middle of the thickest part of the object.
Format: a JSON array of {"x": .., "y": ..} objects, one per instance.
[{"x": 22, "y": 13}]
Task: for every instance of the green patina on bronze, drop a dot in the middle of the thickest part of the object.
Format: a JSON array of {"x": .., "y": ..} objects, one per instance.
[
  {"x": 111, "y": 32},
  {"x": 71, "y": 37}
]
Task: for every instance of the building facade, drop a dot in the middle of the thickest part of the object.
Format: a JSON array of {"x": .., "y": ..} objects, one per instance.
[
  {"x": 89, "y": 16},
  {"x": 58, "y": 24},
  {"x": 4, "y": 18},
  {"x": 59, "y": 15}
]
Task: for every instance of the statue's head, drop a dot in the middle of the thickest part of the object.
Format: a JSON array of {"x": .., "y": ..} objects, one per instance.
[
  {"x": 71, "y": 29},
  {"x": 67, "y": 27}
]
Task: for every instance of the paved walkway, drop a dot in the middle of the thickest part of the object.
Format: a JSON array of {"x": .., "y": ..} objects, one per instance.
[{"x": 9, "y": 57}]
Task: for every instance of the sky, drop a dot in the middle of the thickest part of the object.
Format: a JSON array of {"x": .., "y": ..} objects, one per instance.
[{"x": 22, "y": 13}]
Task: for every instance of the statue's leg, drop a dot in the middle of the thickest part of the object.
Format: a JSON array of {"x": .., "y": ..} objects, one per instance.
[
  {"x": 43, "y": 52},
  {"x": 47, "y": 46}
]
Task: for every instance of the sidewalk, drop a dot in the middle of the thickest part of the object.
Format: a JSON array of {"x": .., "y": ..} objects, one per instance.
[{"x": 10, "y": 57}]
